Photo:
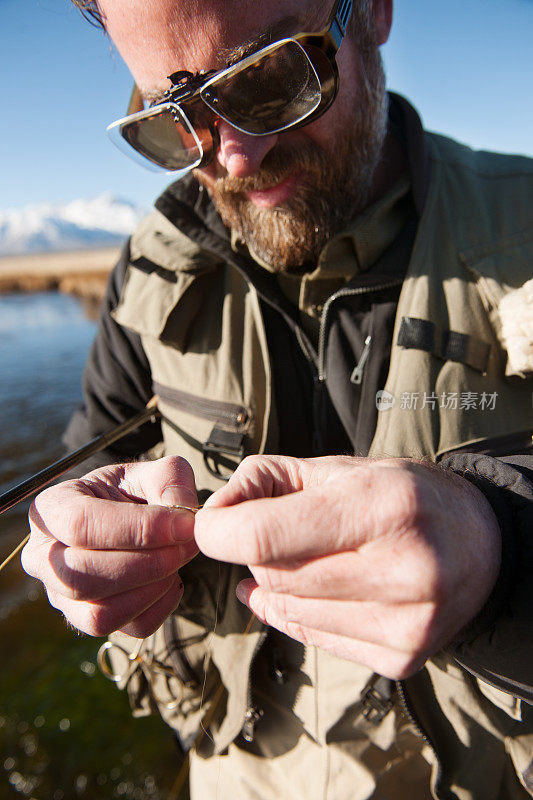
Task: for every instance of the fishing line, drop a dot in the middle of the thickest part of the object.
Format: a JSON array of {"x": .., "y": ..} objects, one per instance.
[
  {"x": 12, "y": 555},
  {"x": 207, "y": 656}
]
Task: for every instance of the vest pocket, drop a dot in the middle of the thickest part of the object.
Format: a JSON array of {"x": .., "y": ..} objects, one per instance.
[
  {"x": 209, "y": 432},
  {"x": 230, "y": 415}
]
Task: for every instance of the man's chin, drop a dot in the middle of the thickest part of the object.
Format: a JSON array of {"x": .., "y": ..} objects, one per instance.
[{"x": 283, "y": 237}]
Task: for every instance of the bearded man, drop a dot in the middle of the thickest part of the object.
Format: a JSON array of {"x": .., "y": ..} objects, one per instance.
[{"x": 328, "y": 283}]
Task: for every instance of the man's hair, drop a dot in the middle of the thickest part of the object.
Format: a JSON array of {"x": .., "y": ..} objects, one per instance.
[{"x": 91, "y": 12}]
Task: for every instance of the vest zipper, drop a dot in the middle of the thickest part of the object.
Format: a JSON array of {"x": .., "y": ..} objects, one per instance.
[
  {"x": 318, "y": 415},
  {"x": 318, "y": 371},
  {"x": 252, "y": 714},
  {"x": 411, "y": 716},
  {"x": 318, "y": 391},
  {"x": 345, "y": 293},
  {"x": 229, "y": 414}
]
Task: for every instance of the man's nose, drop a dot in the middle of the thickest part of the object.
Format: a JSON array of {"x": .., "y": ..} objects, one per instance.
[{"x": 239, "y": 153}]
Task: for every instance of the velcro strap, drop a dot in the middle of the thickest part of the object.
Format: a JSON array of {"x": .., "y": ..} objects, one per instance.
[
  {"x": 225, "y": 442},
  {"x": 421, "y": 334},
  {"x": 222, "y": 443}
]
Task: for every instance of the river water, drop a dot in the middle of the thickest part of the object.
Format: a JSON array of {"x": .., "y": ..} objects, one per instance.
[
  {"x": 44, "y": 341},
  {"x": 65, "y": 732}
]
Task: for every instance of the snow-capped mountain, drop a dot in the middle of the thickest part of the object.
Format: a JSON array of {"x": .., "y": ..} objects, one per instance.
[{"x": 98, "y": 222}]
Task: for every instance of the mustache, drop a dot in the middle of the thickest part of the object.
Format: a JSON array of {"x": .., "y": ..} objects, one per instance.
[{"x": 307, "y": 159}]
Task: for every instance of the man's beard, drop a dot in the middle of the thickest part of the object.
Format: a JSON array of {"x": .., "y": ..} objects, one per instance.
[{"x": 332, "y": 185}]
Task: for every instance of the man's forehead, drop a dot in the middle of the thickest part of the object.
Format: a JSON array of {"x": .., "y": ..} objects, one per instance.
[{"x": 157, "y": 37}]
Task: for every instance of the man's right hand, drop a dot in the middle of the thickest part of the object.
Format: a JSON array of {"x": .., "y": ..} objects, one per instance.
[{"x": 107, "y": 546}]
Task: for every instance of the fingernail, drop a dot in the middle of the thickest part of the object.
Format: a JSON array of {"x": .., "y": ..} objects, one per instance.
[
  {"x": 241, "y": 593},
  {"x": 179, "y": 496},
  {"x": 182, "y": 525}
]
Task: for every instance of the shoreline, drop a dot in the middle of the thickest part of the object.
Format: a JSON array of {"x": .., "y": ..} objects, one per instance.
[{"x": 82, "y": 273}]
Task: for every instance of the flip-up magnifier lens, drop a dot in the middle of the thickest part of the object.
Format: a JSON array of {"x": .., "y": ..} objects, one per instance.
[{"x": 162, "y": 139}]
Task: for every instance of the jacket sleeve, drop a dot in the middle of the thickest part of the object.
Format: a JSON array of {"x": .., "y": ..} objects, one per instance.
[
  {"x": 116, "y": 385},
  {"x": 497, "y": 646}
]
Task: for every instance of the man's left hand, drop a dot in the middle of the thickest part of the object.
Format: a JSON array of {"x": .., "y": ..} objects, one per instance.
[{"x": 377, "y": 561}]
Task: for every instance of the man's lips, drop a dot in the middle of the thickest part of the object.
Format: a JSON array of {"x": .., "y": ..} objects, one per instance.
[{"x": 274, "y": 195}]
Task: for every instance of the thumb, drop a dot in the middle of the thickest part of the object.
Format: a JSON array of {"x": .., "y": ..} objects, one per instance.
[
  {"x": 258, "y": 477},
  {"x": 168, "y": 481},
  {"x": 274, "y": 476}
]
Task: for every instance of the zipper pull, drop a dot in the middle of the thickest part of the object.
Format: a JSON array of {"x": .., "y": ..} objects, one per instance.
[
  {"x": 252, "y": 717},
  {"x": 357, "y": 374},
  {"x": 376, "y": 700}
]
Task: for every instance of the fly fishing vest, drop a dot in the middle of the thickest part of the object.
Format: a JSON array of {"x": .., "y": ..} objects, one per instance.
[{"x": 450, "y": 386}]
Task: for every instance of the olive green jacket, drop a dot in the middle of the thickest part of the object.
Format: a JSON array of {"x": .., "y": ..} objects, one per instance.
[{"x": 450, "y": 386}]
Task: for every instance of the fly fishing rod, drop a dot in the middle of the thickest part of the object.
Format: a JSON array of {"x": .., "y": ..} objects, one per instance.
[{"x": 41, "y": 479}]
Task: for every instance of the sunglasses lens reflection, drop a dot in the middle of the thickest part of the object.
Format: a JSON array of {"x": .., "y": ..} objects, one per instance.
[
  {"x": 164, "y": 138},
  {"x": 277, "y": 90}
]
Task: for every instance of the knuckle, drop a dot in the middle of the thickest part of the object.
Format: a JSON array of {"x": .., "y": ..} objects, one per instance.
[
  {"x": 142, "y": 628},
  {"x": 144, "y": 532},
  {"x": 247, "y": 469},
  {"x": 178, "y": 463},
  {"x": 76, "y": 588},
  {"x": 174, "y": 469},
  {"x": 161, "y": 562},
  {"x": 48, "y": 500},
  {"x": 75, "y": 614},
  {"x": 408, "y": 501},
  {"x": 138, "y": 630},
  {"x": 154, "y": 528},
  {"x": 75, "y": 521},
  {"x": 258, "y": 547},
  {"x": 254, "y": 468},
  {"x": 299, "y": 632},
  {"x": 266, "y": 540},
  {"x": 418, "y": 632},
  {"x": 250, "y": 463},
  {"x": 281, "y": 607},
  {"x": 438, "y": 586},
  {"x": 69, "y": 572},
  {"x": 271, "y": 580},
  {"x": 48, "y": 496},
  {"x": 426, "y": 626},
  {"x": 93, "y": 619},
  {"x": 404, "y": 666}
]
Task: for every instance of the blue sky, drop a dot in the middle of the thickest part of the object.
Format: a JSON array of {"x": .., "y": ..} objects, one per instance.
[{"x": 467, "y": 66}]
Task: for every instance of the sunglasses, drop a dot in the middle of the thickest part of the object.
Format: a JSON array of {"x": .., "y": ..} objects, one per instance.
[{"x": 286, "y": 84}]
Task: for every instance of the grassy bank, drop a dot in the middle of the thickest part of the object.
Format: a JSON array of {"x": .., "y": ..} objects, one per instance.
[{"x": 80, "y": 272}]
